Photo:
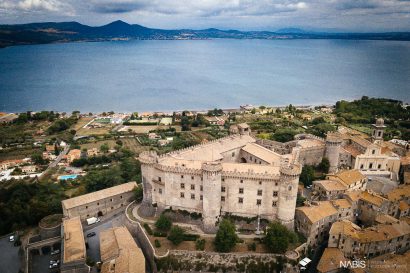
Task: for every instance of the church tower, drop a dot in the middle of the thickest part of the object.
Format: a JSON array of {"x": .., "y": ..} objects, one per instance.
[{"x": 378, "y": 130}]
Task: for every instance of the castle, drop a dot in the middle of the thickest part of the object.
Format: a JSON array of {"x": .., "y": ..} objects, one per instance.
[
  {"x": 246, "y": 176},
  {"x": 232, "y": 175}
]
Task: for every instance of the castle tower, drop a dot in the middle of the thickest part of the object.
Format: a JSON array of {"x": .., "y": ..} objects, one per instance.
[
  {"x": 289, "y": 180},
  {"x": 332, "y": 151},
  {"x": 148, "y": 160},
  {"x": 378, "y": 130},
  {"x": 211, "y": 202}
]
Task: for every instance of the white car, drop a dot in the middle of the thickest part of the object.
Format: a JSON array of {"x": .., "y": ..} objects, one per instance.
[
  {"x": 54, "y": 265},
  {"x": 12, "y": 238}
]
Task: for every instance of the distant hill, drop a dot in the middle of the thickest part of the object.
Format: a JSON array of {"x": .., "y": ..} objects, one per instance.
[{"x": 50, "y": 32}]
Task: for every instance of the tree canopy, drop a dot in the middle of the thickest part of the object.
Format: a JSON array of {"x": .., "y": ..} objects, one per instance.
[
  {"x": 278, "y": 238},
  {"x": 226, "y": 238}
]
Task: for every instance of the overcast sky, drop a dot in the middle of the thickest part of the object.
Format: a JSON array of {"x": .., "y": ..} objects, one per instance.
[{"x": 344, "y": 15}]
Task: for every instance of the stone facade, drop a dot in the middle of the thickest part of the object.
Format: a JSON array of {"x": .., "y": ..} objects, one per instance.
[
  {"x": 99, "y": 203},
  {"x": 232, "y": 175}
]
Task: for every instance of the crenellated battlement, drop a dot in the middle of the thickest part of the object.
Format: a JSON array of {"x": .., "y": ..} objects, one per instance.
[
  {"x": 308, "y": 136},
  {"x": 178, "y": 169},
  {"x": 212, "y": 167},
  {"x": 291, "y": 171},
  {"x": 148, "y": 157}
]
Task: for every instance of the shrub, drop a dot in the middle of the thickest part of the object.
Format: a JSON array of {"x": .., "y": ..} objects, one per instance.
[
  {"x": 147, "y": 228},
  {"x": 252, "y": 246},
  {"x": 157, "y": 243},
  {"x": 278, "y": 238},
  {"x": 160, "y": 234},
  {"x": 163, "y": 223},
  {"x": 200, "y": 244},
  {"x": 176, "y": 235}
]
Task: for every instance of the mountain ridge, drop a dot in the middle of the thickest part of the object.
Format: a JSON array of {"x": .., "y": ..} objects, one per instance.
[{"x": 57, "y": 32}]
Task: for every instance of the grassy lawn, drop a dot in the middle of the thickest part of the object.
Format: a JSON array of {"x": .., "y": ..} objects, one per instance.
[
  {"x": 146, "y": 129},
  {"x": 97, "y": 144},
  {"x": 81, "y": 122},
  {"x": 133, "y": 145}
]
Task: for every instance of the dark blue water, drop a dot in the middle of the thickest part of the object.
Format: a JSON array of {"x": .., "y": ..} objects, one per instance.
[{"x": 174, "y": 75}]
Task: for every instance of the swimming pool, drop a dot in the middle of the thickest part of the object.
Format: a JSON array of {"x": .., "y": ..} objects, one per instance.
[{"x": 69, "y": 176}]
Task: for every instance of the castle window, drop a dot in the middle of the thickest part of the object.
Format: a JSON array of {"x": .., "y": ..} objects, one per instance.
[
  {"x": 275, "y": 194},
  {"x": 223, "y": 198},
  {"x": 260, "y": 182},
  {"x": 233, "y": 154},
  {"x": 289, "y": 188},
  {"x": 373, "y": 152},
  {"x": 379, "y": 166},
  {"x": 201, "y": 188},
  {"x": 371, "y": 166},
  {"x": 182, "y": 186},
  {"x": 258, "y": 202},
  {"x": 361, "y": 166},
  {"x": 260, "y": 192},
  {"x": 192, "y": 187},
  {"x": 276, "y": 183},
  {"x": 240, "y": 200},
  {"x": 192, "y": 177},
  {"x": 223, "y": 189},
  {"x": 160, "y": 191},
  {"x": 98, "y": 204},
  {"x": 159, "y": 179},
  {"x": 274, "y": 203},
  {"x": 111, "y": 199},
  {"x": 120, "y": 196},
  {"x": 182, "y": 195},
  {"x": 223, "y": 179},
  {"x": 380, "y": 133},
  {"x": 182, "y": 176},
  {"x": 201, "y": 197},
  {"x": 86, "y": 207},
  {"x": 192, "y": 196},
  {"x": 240, "y": 190},
  {"x": 241, "y": 181}
]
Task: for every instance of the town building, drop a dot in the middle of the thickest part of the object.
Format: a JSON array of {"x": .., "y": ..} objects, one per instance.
[
  {"x": 370, "y": 242},
  {"x": 232, "y": 175},
  {"x": 7, "y": 164},
  {"x": 337, "y": 184},
  {"x": 388, "y": 263},
  {"x": 314, "y": 220},
  {"x": 99, "y": 203},
  {"x": 92, "y": 152},
  {"x": 29, "y": 169},
  {"x": 119, "y": 252},
  {"x": 73, "y": 256},
  {"x": 73, "y": 155},
  {"x": 331, "y": 260}
]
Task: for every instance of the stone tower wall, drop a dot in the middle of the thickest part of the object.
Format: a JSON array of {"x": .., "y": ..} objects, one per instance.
[
  {"x": 289, "y": 176},
  {"x": 212, "y": 176},
  {"x": 332, "y": 152}
]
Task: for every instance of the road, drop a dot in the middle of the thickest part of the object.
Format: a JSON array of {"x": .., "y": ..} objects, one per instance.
[
  {"x": 9, "y": 258},
  {"x": 59, "y": 157}
]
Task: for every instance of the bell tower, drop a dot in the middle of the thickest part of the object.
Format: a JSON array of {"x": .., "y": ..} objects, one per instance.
[{"x": 378, "y": 130}]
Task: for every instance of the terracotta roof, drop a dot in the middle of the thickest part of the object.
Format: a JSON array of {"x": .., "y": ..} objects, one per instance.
[
  {"x": 399, "y": 193},
  {"x": 341, "y": 203},
  {"x": 403, "y": 206},
  {"x": 352, "y": 150},
  {"x": 74, "y": 244},
  {"x": 372, "y": 198},
  {"x": 385, "y": 219},
  {"x": 316, "y": 213},
  {"x": 345, "y": 227},
  {"x": 360, "y": 140},
  {"x": 331, "y": 185},
  {"x": 391, "y": 263},
  {"x": 261, "y": 153},
  {"x": 330, "y": 260},
  {"x": 348, "y": 177},
  {"x": 98, "y": 195},
  {"x": 119, "y": 252}
]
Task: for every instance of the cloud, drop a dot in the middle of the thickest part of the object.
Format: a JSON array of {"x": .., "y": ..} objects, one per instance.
[
  {"x": 36, "y": 6},
  {"x": 120, "y": 6},
  {"x": 357, "y": 4}
]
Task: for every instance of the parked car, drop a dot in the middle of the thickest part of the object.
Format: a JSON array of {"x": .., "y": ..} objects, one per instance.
[
  {"x": 11, "y": 238},
  {"x": 54, "y": 265},
  {"x": 91, "y": 234},
  {"x": 54, "y": 252},
  {"x": 55, "y": 262}
]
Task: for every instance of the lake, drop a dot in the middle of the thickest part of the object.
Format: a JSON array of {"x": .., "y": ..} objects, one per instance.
[{"x": 199, "y": 74}]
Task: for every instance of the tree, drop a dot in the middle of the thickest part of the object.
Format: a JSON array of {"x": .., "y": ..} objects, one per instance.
[
  {"x": 176, "y": 235},
  {"x": 185, "y": 123},
  {"x": 104, "y": 148},
  {"x": 283, "y": 135},
  {"x": 307, "y": 175},
  {"x": 101, "y": 179},
  {"x": 163, "y": 223},
  {"x": 38, "y": 159},
  {"x": 324, "y": 165},
  {"x": 139, "y": 193},
  {"x": 226, "y": 238},
  {"x": 278, "y": 238}
]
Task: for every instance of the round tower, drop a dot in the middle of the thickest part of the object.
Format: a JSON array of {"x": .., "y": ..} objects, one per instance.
[
  {"x": 332, "y": 152},
  {"x": 378, "y": 130},
  {"x": 148, "y": 159},
  {"x": 211, "y": 202},
  {"x": 288, "y": 191}
]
